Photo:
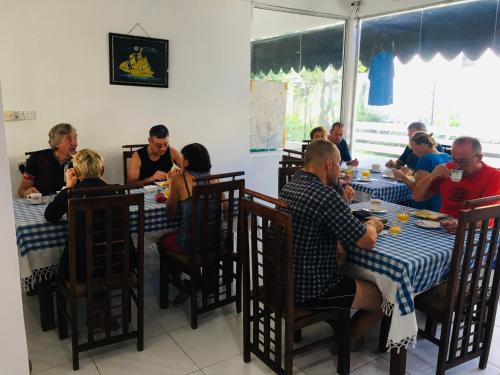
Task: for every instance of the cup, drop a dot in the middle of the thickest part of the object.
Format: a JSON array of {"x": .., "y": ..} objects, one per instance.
[
  {"x": 365, "y": 174},
  {"x": 394, "y": 229},
  {"x": 376, "y": 204},
  {"x": 375, "y": 167},
  {"x": 34, "y": 198},
  {"x": 456, "y": 175},
  {"x": 389, "y": 173},
  {"x": 403, "y": 216}
]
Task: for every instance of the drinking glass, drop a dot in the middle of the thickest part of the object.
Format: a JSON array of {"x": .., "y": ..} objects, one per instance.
[
  {"x": 395, "y": 228},
  {"x": 403, "y": 216},
  {"x": 365, "y": 173}
]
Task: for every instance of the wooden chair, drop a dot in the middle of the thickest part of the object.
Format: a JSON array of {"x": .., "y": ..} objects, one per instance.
[
  {"x": 22, "y": 167},
  {"x": 285, "y": 174},
  {"x": 212, "y": 263},
  {"x": 110, "y": 280},
  {"x": 268, "y": 290},
  {"x": 291, "y": 163},
  {"x": 292, "y": 154},
  {"x": 447, "y": 149},
  {"x": 128, "y": 150},
  {"x": 466, "y": 304},
  {"x": 305, "y": 143}
]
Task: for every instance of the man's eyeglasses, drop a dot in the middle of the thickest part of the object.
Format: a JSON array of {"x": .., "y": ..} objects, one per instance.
[
  {"x": 463, "y": 161},
  {"x": 160, "y": 145}
]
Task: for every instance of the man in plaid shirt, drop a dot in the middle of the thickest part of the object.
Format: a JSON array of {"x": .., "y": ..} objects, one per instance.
[{"x": 321, "y": 222}]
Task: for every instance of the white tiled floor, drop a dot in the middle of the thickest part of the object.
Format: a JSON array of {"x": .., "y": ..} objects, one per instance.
[{"x": 172, "y": 347}]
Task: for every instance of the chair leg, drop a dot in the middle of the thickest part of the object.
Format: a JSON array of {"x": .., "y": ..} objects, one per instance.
[
  {"x": 164, "y": 284},
  {"x": 140, "y": 320},
  {"x": 238, "y": 286},
  {"x": 74, "y": 334},
  {"x": 344, "y": 350},
  {"x": 441, "y": 362},
  {"x": 297, "y": 336},
  {"x": 430, "y": 327},
  {"x": 194, "y": 302},
  {"x": 61, "y": 316},
  {"x": 385, "y": 325}
]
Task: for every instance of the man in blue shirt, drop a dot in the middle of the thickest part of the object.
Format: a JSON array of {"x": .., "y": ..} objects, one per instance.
[
  {"x": 336, "y": 136},
  {"x": 408, "y": 158}
]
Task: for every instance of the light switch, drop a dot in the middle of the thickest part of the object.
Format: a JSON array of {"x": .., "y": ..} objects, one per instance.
[{"x": 8, "y": 116}]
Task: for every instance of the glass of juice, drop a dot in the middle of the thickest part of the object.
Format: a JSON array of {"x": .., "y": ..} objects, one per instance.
[
  {"x": 403, "y": 216},
  {"x": 395, "y": 228},
  {"x": 365, "y": 173}
]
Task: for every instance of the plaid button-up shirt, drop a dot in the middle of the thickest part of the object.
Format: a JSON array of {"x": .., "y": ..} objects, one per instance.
[{"x": 320, "y": 218}]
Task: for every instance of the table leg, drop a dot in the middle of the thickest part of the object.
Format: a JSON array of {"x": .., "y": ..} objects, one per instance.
[
  {"x": 398, "y": 361},
  {"x": 46, "y": 303}
]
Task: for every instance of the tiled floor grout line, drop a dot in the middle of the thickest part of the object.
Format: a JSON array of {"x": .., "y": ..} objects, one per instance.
[{"x": 187, "y": 355}]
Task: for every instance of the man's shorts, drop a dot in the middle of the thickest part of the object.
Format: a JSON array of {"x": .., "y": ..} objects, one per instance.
[{"x": 339, "y": 297}]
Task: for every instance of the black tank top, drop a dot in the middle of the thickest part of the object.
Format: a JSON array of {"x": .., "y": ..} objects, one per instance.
[{"x": 149, "y": 167}]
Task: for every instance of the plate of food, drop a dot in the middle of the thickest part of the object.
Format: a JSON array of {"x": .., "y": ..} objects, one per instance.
[
  {"x": 150, "y": 188},
  {"x": 428, "y": 224},
  {"x": 163, "y": 183},
  {"x": 428, "y": 215},
  {"x": 377, "y": 210}
]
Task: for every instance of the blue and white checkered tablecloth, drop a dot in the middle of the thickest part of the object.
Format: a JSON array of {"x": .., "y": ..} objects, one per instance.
[
  {"x": 402, "y": 266},
  {"x": 385, "y": 189},
  {"x": 40, "y": 243}
]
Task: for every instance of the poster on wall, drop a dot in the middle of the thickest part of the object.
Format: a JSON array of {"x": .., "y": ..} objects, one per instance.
[
  {"x": 267, "y": 115},
  {"x": 138, "y": 61}
]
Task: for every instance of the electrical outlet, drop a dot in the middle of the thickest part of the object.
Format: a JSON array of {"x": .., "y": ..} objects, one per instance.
[{"x": 29, "y": 115}]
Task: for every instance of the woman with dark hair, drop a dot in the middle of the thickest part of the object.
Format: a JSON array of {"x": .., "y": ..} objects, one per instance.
[{"x": 196, "y": 164}]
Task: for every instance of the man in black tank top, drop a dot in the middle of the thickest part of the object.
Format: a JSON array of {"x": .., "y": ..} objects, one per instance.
[{"x": 154, "y": 162}]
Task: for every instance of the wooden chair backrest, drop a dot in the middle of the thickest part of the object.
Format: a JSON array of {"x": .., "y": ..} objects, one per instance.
[
  {"x": 285, "y": 174},
  {"x": 267, "y": 272},
  {"x": 446, "y": 149},
  {"x": 212, "y": 234},
  {"x": 106, "y": 222},
  {"x": 472, "y": 292},
  {"x": 128, "y": 150},
  {"x": 292, "y": 154},
  {"x": 291, "y": 163}
]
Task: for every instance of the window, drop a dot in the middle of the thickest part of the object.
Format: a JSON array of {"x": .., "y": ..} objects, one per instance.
[
  {"x": 305, "y": 54},
  {"x": 438, "y": 65}
]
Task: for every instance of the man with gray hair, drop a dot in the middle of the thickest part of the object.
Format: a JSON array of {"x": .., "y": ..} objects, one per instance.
[
  {"x": 408, "y": 158},
  {"x": 45, "y": 169},
  {"x": 471, "y": 179},
  {"x": 323, "y": 225}
]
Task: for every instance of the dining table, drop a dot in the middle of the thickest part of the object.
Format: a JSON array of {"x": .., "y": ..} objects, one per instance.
[
  {"x": 379, "y": 186},
  {"x": 40, "y": 244},
  {"x": 402, "y": 265}
]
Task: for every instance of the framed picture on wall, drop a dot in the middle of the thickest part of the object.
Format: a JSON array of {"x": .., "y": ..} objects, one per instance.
[{"x": 138, "y": 61}]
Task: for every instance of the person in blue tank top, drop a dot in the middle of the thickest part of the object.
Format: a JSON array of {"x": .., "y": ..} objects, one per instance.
[
  {"x": 424, "y": 147},
  {"x": 154, "y": 162}
]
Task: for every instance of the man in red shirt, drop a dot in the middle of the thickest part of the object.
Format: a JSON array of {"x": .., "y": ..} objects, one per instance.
[{"x": 478, "y": 180}]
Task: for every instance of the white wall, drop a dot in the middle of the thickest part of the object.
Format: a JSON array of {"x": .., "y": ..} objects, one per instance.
[
  {"x": 373, "y": 7},
  {"x": 54, "y": 59},
  {"x": 14, "y": 356}
]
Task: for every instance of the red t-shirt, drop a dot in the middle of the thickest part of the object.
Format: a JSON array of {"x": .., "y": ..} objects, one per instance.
[{"x": 485, "y": 183}]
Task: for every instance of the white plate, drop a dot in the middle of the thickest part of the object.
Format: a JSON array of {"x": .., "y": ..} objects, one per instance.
[
  {"x": 43, "y": 201},
  {"x": 388, "y": 177},
  {"x": 428, "y": 224},
  {"x": 377, "y": 210},
  {"x": 365, "y": 179},
  {"x": 150, "y": 188},
  {"x": 162, "y": 184}
]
